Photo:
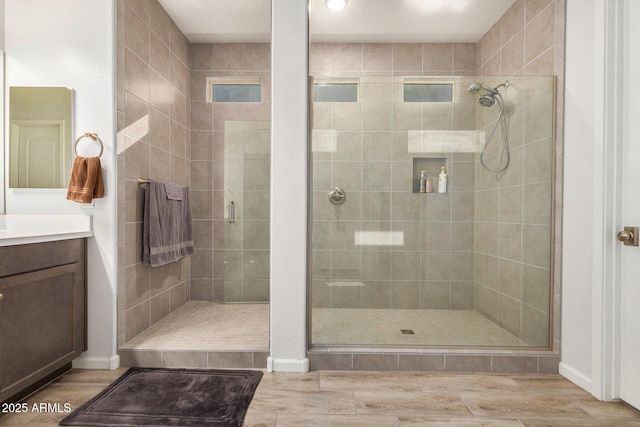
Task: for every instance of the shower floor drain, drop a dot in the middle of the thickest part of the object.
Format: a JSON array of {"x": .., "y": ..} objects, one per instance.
[{"x": 407, "y": 331}]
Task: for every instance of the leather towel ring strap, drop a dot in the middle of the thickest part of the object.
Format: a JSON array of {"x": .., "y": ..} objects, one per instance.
[{"x": 93, "y": 136}]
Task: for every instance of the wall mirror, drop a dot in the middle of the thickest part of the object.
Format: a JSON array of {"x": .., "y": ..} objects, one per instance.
[{"x": 40, "y": 141}]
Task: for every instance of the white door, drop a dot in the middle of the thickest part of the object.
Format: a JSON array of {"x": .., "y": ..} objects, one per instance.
[
  {"x": 630, "y": 286},
  {"x": 36, "y": 152}
]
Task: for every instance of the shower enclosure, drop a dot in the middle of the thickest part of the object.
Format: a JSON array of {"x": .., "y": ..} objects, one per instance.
[{"x": 393, "y": 266}]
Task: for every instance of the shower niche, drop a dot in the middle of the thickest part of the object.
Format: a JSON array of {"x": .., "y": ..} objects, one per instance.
[{"x": 432, "y": 167}]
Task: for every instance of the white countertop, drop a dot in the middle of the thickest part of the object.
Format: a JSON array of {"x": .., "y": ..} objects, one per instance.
[{"x": 23, "y": 229}]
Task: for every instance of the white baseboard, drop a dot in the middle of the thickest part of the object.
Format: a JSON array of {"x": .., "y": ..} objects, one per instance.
[
  {"x": 287, "y": 365},
  {"x": 576, "y": 377},
  {"x": 88, "y": 362}
]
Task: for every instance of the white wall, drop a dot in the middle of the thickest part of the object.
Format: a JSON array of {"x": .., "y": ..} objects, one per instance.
[
  {"x": 288, "y": 299},
  {"x": 589, "y": 322},
  {"x": 71, "y": 43},
  {"x": 577, "y": 278}
]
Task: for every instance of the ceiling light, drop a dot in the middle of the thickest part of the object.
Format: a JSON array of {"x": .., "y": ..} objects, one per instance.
[{"x": 335, "y": 5}]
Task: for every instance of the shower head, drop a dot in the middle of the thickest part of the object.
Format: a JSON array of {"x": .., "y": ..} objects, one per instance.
[{"x": 489, "y": 98}]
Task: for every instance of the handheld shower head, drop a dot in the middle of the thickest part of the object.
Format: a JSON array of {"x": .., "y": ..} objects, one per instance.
[{"x": 489, "y": 98}]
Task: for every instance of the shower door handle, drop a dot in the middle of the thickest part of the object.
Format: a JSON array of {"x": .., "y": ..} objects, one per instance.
[{"x": 231, "y": 214}]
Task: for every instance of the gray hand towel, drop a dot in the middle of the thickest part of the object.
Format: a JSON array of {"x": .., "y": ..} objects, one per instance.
[
  {"x": 174, "y": 191},
  {"x": 167, "y": 229}
]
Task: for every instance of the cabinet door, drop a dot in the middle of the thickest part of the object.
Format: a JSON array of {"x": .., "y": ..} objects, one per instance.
[{"x": 41, "y": 324}]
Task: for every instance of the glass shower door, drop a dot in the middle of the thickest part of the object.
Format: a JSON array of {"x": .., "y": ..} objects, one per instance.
[{"x": 243, "y": 230}]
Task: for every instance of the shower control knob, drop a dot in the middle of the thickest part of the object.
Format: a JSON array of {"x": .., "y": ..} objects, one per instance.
[{"x": 337, "y": 196}]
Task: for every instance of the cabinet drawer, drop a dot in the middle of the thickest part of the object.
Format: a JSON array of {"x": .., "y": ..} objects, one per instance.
[{"x": 37, "y": 256}]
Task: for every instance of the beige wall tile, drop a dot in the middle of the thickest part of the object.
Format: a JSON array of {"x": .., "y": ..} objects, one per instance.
[
  {"x": 491, "y": 43},
  {"x": 512, "y": 55},
  {"x": 376, "y": 294},
  {"x": 136, "y": 33},
  {"x": 540, "y": 33},
  {"x": 534, "y": 7},
  {"x": 464, "y": 57},
  {"x": 440, "y": 57},
  {"x": 407, "y": 57},
  {"x": 377, "y": 57},
  {"x": 136, "y": 76},
  {"x": 513, "y": 21},
  {"x": 435, "y": 295}
]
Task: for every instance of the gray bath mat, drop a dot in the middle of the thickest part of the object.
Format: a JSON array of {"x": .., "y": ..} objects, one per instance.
[{"x": 170, "y": 397}]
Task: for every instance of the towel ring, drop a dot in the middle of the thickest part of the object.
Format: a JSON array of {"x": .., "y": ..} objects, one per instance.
[{"x": 93, "y": 136}]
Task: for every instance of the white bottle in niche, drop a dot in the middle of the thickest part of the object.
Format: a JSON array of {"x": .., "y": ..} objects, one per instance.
[{"x": 442, "y": 181}]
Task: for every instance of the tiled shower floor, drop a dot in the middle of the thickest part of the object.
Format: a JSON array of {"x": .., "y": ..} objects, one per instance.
[
  {"x": 430, "y": 327},
  {"x": 207, "y": 326}
]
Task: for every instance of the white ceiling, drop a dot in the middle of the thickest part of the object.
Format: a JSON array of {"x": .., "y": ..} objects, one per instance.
[{"x": 381, "y": 21}]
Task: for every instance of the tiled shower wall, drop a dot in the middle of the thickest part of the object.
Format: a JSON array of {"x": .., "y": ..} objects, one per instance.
[
  {"x": 153, "y": 129},
  {"x": 364, "y": 148},
  {"x": 515, "y": 260},
  {"x": 513, "y": 215},
  {"x": 231, "y": 163}
]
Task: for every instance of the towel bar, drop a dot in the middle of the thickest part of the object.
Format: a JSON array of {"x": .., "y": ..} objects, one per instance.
[{"x": 143, "y": 181}]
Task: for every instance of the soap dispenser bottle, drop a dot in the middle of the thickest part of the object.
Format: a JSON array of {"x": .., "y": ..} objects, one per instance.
[
  {"x": 442, "y": 181},
  {"x": 423, "y": 182},
  {"x": 428, "y": 186}
]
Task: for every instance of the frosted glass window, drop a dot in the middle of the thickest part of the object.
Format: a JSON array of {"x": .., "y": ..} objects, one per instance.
[
  {"x": 335, "y": 92},
  {"x": 428, "y": 92},
  {"x": 231, "y": 92}
]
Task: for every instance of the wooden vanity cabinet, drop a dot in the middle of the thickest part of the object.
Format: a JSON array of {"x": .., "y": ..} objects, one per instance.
[{"x": 42, "y": 311}]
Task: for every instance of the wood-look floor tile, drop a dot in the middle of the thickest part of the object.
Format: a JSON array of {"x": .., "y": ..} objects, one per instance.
[
  {"x": 522, "y": 405},
  {"x": 574, "y": 422},
  {"x": 75, "y": 396},
  {"x": 467, "y": 383},
  {"x": 301, "y": 401},
  {"x": 549, "y": 384},
  {"x": 458, "y": 422},
  {"x": 367, "y": 381},
  {"x": 289, "y": 381},
  {"x": 421, "y": 404},
  {"x": 607, "y": 410},
  {"x": 339, "y": 398},
  {"x": 255, "y": 418},
  {"x": 17, "y": 419},
  {"x": 295, "y": 420},
  {"x": 43, "y": 419},
  {"x": 89, "y": 377}
]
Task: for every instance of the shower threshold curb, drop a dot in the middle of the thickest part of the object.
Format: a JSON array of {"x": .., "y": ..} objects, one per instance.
[{"x": 498, "y": 361}]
